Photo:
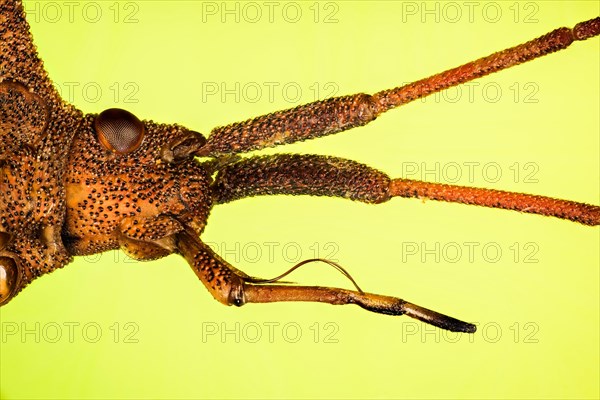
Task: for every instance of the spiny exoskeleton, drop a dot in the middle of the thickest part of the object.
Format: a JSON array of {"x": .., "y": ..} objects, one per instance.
[{"x": 75, "y": 184}]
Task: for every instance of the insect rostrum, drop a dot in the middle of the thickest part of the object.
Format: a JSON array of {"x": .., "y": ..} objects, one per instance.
[{"x": 76, "y": 184}]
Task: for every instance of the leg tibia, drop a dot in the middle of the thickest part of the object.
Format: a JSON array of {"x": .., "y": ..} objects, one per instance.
[{"x": 222, "y": 280}]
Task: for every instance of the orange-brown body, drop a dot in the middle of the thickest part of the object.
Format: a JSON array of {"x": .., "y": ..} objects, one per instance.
[
  {"x": 75, "y": 184},
  {"x": 109, "y": 194}
]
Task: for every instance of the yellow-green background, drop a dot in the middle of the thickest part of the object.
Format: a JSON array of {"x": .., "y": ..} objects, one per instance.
[{"x": 169, "y": 52}]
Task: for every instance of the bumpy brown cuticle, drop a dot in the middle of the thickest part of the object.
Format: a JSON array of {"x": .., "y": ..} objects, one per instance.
[
  {"x": 23, "y": 116},
  {"x": 75, "y": 184},
  {"x": 300, "y": 123},
  {"x": 36, "y": 130},
  {"x": 587, "y": 29},
  {"x": 61, "y": 192},
  {"x": 217, "y": 275},
  {"x": 300, "y": 174},
  {"x": 107, "y": 195}
]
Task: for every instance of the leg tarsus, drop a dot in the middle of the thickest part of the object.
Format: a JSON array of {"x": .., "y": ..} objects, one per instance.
[{"x": 369, "y": 301}]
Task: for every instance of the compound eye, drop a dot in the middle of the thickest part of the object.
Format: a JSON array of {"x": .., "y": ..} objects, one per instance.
[
  {"x": 119, "y": 130},
  {"x": 9, "y": 279}
]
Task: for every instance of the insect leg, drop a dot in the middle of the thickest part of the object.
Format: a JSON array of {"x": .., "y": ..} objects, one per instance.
[{"x": 231, "y": 287}]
